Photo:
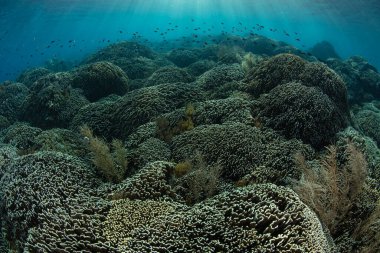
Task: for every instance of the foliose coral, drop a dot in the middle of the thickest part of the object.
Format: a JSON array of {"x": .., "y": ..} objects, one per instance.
[
  {"x": 239, "y": 149},
  {"x": 169, "y": 75},
  {"x": 12, "y": 97},
  {"x": 136, "y": 60},
  {"x": 28, "y": 77},
  {"x": 148, "y": 151},
  {"x": 182, "y": 57},
  {"x": 199, "y": 67},
  {"x": 143, "y": 105},
  {"x": 369, "y": 123},
  {"x": 43, "y": 182},
  {"x": 153, "y": 182},
  {"x": 301, "y": 112},
  {"x": 23, "y": 137},
  {"x": 220, "y": 75},
  {"x": 284, "y": 68},
  {"x": 261, "y": 218},
  {"x": 100, "y": 79},
  {"x": 52, "y": 102},
  {"x": 98, "y": 116}
]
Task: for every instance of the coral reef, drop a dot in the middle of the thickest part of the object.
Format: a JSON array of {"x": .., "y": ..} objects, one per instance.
[
  {"x": 216, "y": 143},
  {"x": 63, "y": 141},
  {"x": 127, "y": 215},
  {"x": 239, "y": 149},
  {"x": 100, "y": 80},
  {"x": 153, "y": 182},
  {"x": 301, "y": 112},
  {"x": 183, "y": 57},
  {"x": 285, "y": 68},
  {"x": 43, "y": 182},
  {"x": 143, "y": 105},
  {"x": 151, "y": 150},
  {"x": 28, "y": 77},
  {"x": 136, "y": 60},
  {"x": 7, "y": 154},
  {"x": 52, "y": 102},
  {"x": 362, "y": 79},
  {"x": 259, "y": 218},
  {"x": 74, "y": 227},
  {"x": 169, "y": 75},
  {"x": 368, "y": 120},
  {"x": 23, "y": 137},
  {"x": 220, "y": 75},
  {"x": 98, "y": 116},
  {"x": 324, "y": 50},
  {"x": 199, "y": 67},
  {"x": 12, "y": 97}
]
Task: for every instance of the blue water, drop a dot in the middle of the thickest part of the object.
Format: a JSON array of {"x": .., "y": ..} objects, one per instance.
[{"x": 28, "y": 28}]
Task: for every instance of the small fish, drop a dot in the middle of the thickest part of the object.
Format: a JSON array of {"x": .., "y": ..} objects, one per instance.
[
  {"x": 120, "y": 31},
  {"x": 52, "y": 41},
  {"x": 298, "y": 39}
]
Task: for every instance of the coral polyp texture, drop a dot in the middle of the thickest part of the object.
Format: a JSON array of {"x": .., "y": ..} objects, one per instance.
[
  {"x": 261, "y": 218},
  {"x": 242, "y": 145},
  {"x": 100, "y": 79}
]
